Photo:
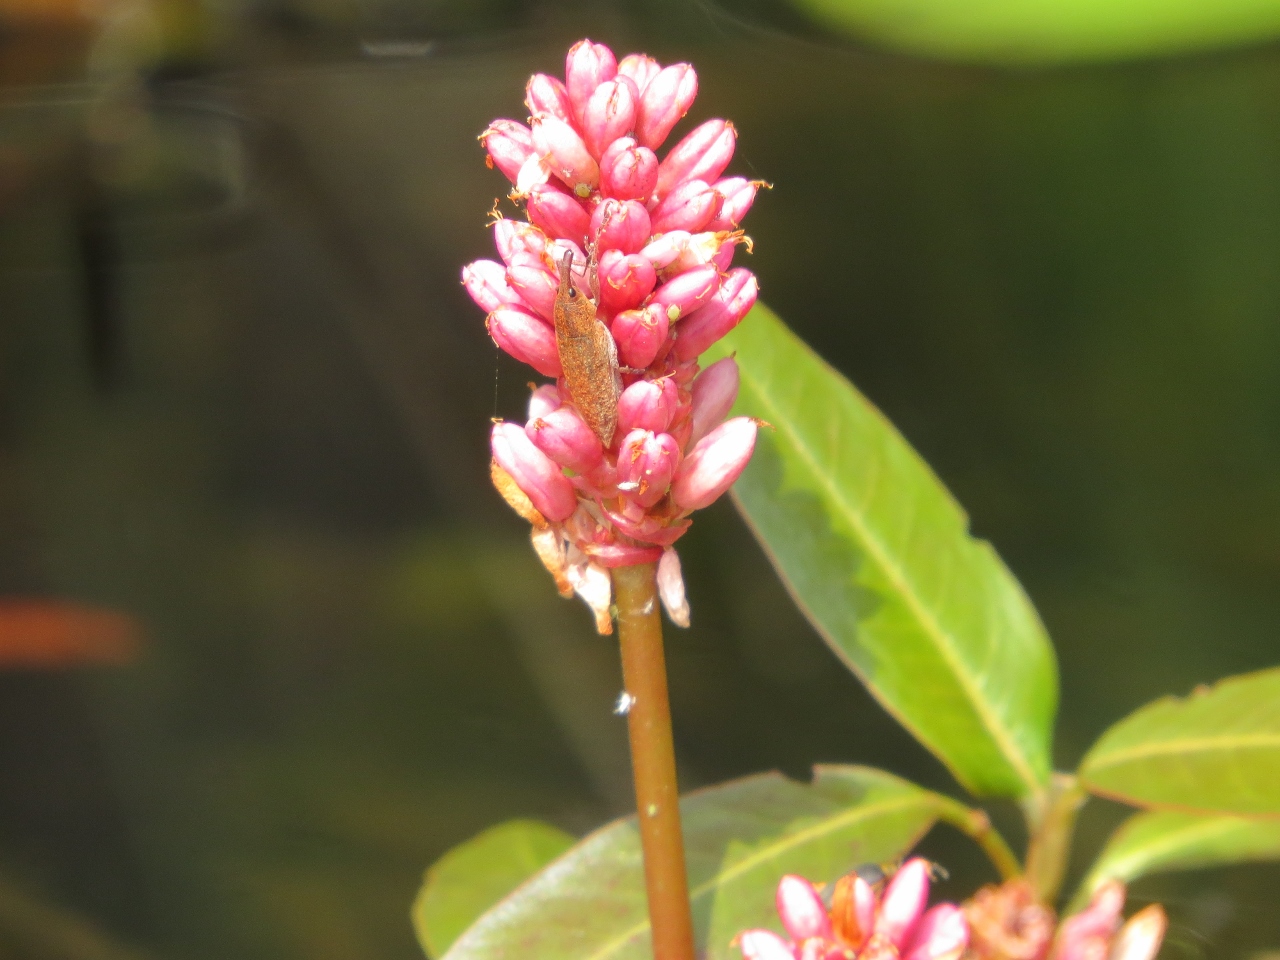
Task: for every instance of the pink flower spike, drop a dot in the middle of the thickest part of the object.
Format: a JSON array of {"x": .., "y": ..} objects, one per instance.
[
  {"x": 620, "y": 225},
  {"x": 543, "y": 400},
  {"x": 702, "y": 155},
  {"x": 545, "y": 94},
  {"x": 640, "y": 67},
  {"x": 736, "y": 296},
  {"x": 686, "y": 292},
  {"x": 534, "y": 473},
  {"x": 801, "y": 909},
  {"x": 628, "y": 171},
  {"x": 514, "y": 237},
  {"x": 903, "y": 902},
  {"x": 509, "y": 144},
  {"x": 714, "y": 464},
  {"x": 665, "y": 99},
  {"x": 609, "y": 114},
  {"x": 714, "y": 392},
  {"x": 558, "y": 213},
  {"x": 486, "y": 281},
  {"x": 625, "y": 280},
  {"x": 941, "y": 934},
  {"x": 764, "y": 945},
  {"x": 648, "y": 405},
  {"x": 526, "y": 338},
  {"x": 565, "y": 437},
  {"x": 566, "y": 153},
  {"x": 1140, "y": 938},
  {"x": 586, "y": 66},
  {"x": 639, "y": 335},
  {"x": 671, "y": 588},
  {"x": 646, "y": 463},
  {"x": 690, "y": 206},
  {"x": 536, "y": 286},
  {"x": 739, "y": 194}
]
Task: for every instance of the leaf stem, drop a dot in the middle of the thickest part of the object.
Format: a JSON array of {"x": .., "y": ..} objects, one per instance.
[
  {"x": 975, "y": 824},
  {"x": 1050, "y": 846},
  {"x": 653, "y": 761}
]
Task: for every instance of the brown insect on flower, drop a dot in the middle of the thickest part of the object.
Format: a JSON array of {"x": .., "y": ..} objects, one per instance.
[{"x": 588, "y": 356}]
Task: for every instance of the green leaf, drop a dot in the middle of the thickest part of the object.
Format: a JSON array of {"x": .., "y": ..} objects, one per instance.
[
  {"x": 1050, "y": 31},
  {"x": 740, "y": 838},
  {"x": 1216, "y": 751},
  {"x": 475, "y": 875},
  {"x": 878, "y": 556},
  {"x": 1153, "y": 841}
]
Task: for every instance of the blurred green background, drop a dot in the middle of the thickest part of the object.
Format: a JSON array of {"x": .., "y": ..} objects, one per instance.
[{"x": 244, "y": 399}]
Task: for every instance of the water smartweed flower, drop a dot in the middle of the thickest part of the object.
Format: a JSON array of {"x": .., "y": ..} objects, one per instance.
[{"x": 617, "y": 282}]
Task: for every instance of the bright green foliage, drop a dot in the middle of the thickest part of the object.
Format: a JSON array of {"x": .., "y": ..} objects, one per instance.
[
  {"x": 740, "y": 838},
  {"x": 475, "y": 875},
  {"x": 1050, "y": 31},
  {"x": 1159, "y": 840},
  {"x": 878, "y": 556},
  {"x": 1217, "y": 750}
]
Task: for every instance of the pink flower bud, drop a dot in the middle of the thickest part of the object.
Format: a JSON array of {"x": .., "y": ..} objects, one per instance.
[
  {"x": 526, "y": 338},
  {"x": 534, "y": 473},
  {"x": 625, "y": 280},
  {"x": 536, "y": 286},
  {"x": 714, "y": 392},
  {"x": 702, "y": 155},
  {"x": 544, "y": 94},
  {"x": 690, "y": 206},
  {"x": 738, "y": 194},
  {"x": 558, "y": 213},
  {"x": 586, "y": 66},
  {"x": 801, "y": 910},
  {"x": 640, "y": 68},
  {"x": 941, "y": 934},
  {"x": 1140, "y": 938},
  {"x": 509, "y": 144},
  {"x": 703, "y": 248},
  {"x": 648, "y": 405},
  {"x": 736, "y": 296},
  {"x": 648, "y": 528},
  {"x": 565, "y": 437},
  {"x": 671, "y": 588},
  {"x": 713, "y": 464},
  {"x": 686, "y": 292},
  {"x": 620, "y": 225},
  {"x": 665, "y": 249},
  {"x": 628, "y": 171},
  {"x": 486, "y": 281},
  {"x": 543, "y": 400},
  {"x": 1085, "y": 935},
  {"x": 534, "y": 173},
  {"x": 904, "y": 900},
  {"x": 556, "y": 251},
  {"x": 610, "y": 114},
  {"x": 565, "y": 152},
  {"x": 763, "y": 945},
  {"x": 639, "y": 335},
  {"x": 665, "y": 99},
  {"x": 853, "y": 910},
  {"x": 517, "y": 236},
  {"x": 646, "y": 463}
]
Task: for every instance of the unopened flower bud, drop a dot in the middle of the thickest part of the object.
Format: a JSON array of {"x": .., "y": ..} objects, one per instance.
[
  {"x": 566, "y": 153},
  {"x": 509, "y": 144},
  {"x": 1140, "y": 938},
  {"x": 648, "y": 405},
  {"x": 646, "y": 463},
  {"x": 738, "y": 194},
  {"x": 640, "y": 334},
  {"x": 558, "y": 213},
  {"x": 534, "y": 173},
  {"x": 543, "y": 400},
  {"x": 853, "y": 910},
  {"x": 640, "y": 68},
  {"x": 565, "y": 437},
  {"x": 586, "y": 66},
  {"x": 714, "y": 464},
  {"x": 736, "y": 296},
  {"x": 671, "y": 588},
  {"x": 526, "y": 338},
  {"x": 544, "y": 94},
  {"x": 666, "y": 248},
  {"x": 620, "y": 225},
  {"x": 763, "y": 945},
  {"x": 536, "y": 286},
  {"x": 714, "y": 391},
  {"x": 690, "y": 206},
  {"x": 610, "y": 114},
  {"x": 702, "y": 155},
  {"x": 486, "y": 282},
  {"x": 665, "y": 99},
  {"x": 1086, "y": 935},
  {"x": 517, "y": 236},
  {"x": 707, "y": 247},
  {"x": 801, "y": 909},
  {"x": 686, "y": 292},
  {"x": 904, "y": 901},
  {"x": 534, "y": 473},
  {"x": 625, "y": 280},
  {"x": 628, "y": 171},
  {"x": 941, "y": 934}
]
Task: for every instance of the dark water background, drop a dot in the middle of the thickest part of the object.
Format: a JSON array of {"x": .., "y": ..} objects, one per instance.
[{"x": 243, "y": 398}]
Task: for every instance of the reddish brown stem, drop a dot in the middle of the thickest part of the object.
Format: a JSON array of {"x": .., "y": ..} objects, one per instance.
[{"x": 653, "y": 761}]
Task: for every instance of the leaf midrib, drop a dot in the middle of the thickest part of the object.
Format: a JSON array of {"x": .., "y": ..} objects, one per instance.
[
  {"x": 1201, "y": 744},
  {"x": 932, "y": 628}
]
